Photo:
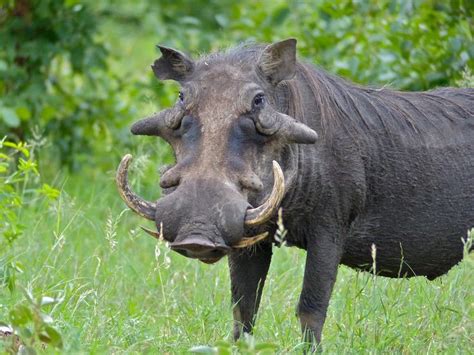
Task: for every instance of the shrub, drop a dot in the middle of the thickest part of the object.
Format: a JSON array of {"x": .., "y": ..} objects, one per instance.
[{"x": 54, "y": 74}]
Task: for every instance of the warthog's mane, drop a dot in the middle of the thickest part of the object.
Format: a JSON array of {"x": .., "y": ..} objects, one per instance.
[{"x": 358, "y": 110}]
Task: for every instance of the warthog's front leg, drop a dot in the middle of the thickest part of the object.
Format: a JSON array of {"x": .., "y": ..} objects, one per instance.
[
  {"x": 322, "y": 260},
  {"x": 248, "y": 270}
]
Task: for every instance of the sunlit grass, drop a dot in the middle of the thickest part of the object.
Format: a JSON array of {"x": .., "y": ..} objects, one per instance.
[{"x": 124, "y": 292}]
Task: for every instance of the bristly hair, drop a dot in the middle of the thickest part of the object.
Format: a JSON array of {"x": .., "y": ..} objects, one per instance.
[
  {"x": 361, "y": 111},
  {"x": 245, "y": 52}
]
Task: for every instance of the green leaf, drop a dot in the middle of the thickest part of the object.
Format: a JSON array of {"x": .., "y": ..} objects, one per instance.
[
  {"x": 20, "y": 315},
  {"x": 222, "y": 20},
  {"x": 49, "y": 192},
  {"x": 48, "y": 113},
  {"x": 23, "y": 113},
  {"x": 9, "y": 117},
  {"x": 280, "y": 15},
  {"x": 27, "y": 166},
  {"x": 25, "y": 333},
  {"x": 52, "y": 337},
  {"x": 21, "y": 147}
]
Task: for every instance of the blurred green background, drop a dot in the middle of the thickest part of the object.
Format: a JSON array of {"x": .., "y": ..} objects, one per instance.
[{"x": 75, "y": 74}]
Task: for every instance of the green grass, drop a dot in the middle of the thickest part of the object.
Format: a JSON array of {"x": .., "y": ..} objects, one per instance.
[{"x": 124, "y": 293}]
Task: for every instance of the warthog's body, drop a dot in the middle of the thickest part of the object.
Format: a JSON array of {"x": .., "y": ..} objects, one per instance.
[
  {"x": 393, "y": 169},
  {"x": 390, "y": 169}
]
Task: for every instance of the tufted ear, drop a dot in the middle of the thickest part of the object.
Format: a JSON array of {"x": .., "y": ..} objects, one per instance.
[
  {"x": 278, "y": 61},
  {"x": 172, "y": 65}
]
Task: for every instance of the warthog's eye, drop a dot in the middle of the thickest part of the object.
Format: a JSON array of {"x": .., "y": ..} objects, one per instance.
[
  {"x": 181, "y": 97},
  {"x": 258, "y": 101}
]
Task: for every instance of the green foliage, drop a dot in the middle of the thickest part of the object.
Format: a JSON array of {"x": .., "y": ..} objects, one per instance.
[
  {"x": 16, "y": 167},
  {"x": 467, "y": 80},
  {"x": 54, "y": 74},
  {"x": 31, "y": 327},
  {"x": 19, "y": 179},
  {"x": 19, "y": 188},
  {"x": 414, "y": 45}
]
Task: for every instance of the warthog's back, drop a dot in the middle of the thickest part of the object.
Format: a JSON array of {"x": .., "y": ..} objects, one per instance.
[{"x": 420, "y": 190}]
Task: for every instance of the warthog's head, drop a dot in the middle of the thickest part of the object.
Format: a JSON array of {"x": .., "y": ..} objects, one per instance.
[{"x": 227, "y": 130}]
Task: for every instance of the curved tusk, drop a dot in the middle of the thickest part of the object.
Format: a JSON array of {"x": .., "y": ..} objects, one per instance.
[
  {"x": 264, "y": 212},
  {"x": 154, "y": 234},
  {"x": 135, "y": 203},
  {"x": 246, "y": 242}
]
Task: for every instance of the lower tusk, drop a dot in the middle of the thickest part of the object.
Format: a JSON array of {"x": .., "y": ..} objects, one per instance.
[
  {"x": 263, "y": 213},
  {"x": 152, "y": 233},
  {"x": 247, "y": 242},
  {"x": 135, "y": 203}
]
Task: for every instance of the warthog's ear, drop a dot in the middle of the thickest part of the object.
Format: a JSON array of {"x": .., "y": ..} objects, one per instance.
[
  {"x": 278, "y": 61},
  {"x": 172, "y": 65}
]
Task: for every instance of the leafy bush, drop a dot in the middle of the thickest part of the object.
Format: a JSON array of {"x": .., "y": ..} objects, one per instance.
[
  {"x": 13, "y": 179},
  {"x": 414, "y": 45},
  {"x": 30, "y": 326},
  {"x": 19, "y": 187},
  {"x": 54, "y": 74},
  {"x": 467, "y": 79}
]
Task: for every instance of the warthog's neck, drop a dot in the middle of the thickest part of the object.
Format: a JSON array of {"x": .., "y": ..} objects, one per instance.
[{"x": 326, "y": 180}]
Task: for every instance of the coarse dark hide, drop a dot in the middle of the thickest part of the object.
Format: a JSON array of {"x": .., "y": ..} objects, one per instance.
[{"x": 388, "y": 174}]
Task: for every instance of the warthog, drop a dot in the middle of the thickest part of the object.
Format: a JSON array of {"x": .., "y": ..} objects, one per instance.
[{"x": 352, "y": 167}]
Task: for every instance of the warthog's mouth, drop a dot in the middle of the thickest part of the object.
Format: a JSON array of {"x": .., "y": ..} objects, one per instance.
[
  {"x": 253, "y": 216},
  {"x": 213, "y": 252},
  {"x": 243, "y": 243}
]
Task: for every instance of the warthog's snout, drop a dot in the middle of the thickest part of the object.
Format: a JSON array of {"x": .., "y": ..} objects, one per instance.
[
  {"x": 204, "y": 218},
  {"x": 195, "y": 246}
]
